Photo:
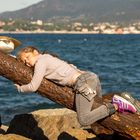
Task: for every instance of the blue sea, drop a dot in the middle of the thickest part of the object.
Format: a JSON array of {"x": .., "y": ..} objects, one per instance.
[{"x": 115, "y": 58}]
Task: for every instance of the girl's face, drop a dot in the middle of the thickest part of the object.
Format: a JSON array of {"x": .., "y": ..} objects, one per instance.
[{"x": 29, "y": 58}]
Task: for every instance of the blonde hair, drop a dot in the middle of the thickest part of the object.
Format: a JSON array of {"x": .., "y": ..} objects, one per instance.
[{"x": 28, "y": 49}]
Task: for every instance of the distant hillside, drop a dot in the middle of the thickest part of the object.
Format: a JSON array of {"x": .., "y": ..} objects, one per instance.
[{"x": 94, "y": 10}]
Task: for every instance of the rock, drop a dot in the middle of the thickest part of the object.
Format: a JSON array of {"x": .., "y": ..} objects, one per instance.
[
  {"x": 12, "y": 137},
  {"x": 50, "y": 124},
  {"x": 3, "y": 129},
  {"x": 79, "y": 134}
]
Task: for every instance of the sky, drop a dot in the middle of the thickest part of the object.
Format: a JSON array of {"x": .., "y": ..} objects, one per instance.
[{"x": 11, "y": 5}]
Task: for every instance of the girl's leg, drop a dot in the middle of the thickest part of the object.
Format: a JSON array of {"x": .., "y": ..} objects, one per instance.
[
  {"x": 85, "y": 100},
  {"x": 84, "y": 113}
]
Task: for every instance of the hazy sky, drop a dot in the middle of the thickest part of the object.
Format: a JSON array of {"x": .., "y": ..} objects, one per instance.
[{"x": 11, "y": 5}]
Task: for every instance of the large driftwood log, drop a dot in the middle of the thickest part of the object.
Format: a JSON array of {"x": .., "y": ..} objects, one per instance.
[{"x": 127, "y": 125}]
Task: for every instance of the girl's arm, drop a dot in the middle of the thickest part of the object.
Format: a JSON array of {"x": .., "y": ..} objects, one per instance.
[{"x": 39, "y": 73}]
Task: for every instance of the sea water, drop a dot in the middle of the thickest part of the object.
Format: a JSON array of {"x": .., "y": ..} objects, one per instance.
[{"x": 115, "y": 58}]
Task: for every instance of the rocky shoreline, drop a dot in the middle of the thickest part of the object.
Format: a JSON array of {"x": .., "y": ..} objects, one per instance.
[{"x": 47, "y": 124}]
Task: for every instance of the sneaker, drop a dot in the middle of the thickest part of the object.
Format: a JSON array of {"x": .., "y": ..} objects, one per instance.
[
  {"x": 123, "y": 104},
  {"x": 129, "y": 98}
]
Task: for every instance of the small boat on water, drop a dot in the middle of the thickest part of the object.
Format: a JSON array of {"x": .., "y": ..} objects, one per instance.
[{"x": 8, "y": 44}]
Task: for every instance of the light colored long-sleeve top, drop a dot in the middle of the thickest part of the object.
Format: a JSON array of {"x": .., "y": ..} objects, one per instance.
[{"x": 51, "y": 68}]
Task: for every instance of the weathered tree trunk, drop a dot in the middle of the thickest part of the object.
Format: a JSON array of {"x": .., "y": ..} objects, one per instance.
[{"x": 127, "y": 125}]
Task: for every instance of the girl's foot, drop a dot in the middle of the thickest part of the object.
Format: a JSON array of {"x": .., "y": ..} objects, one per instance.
[{"x": 123, "y": 104}]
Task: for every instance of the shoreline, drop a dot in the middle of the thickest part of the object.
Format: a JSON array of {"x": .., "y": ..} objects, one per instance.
[{"x": 62, "y": 32}]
